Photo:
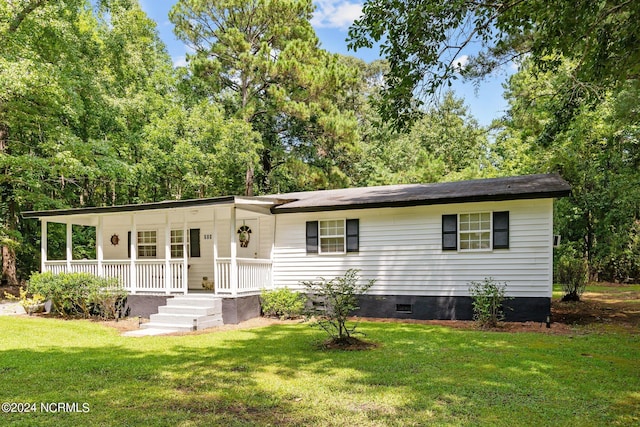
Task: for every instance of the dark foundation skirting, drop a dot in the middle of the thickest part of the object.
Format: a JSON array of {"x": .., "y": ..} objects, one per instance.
[
  {"x": 448, "y": 308},
  {"x": 236, "y": 310}
]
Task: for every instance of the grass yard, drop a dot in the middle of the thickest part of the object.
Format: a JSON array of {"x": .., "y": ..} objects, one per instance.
[{"x": 419, "y": 375}]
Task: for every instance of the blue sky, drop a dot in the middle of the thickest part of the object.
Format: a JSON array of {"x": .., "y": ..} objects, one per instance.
[{"x": 331, "y": 21}]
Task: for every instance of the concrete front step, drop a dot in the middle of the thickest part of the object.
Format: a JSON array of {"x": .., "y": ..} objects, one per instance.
[
  {"x": 195, "y": 301},
  {"x": 178, "y": 319},
  {"x": 183, "y": 322},
  {"x": 166, "y": 327},
  {"x": 187, "y": 313},
  {"x": 189, "y": 309}
]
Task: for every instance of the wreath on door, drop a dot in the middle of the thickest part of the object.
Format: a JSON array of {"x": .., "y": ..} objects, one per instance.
[{"x": 244, "y": 235}]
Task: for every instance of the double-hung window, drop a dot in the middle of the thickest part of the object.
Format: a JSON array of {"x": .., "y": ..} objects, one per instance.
[
  {"x": 177, "y": 244},
  {"x": 334, "y": 236},
  {"x": 193, "y": 243},
  {"x": 478, "y": 231},
  {"x": 147, "y": 241},
  {"x": 475, "y": 231}
]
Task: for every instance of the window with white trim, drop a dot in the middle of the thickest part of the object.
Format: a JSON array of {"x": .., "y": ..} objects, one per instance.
[
  {"x": 177, "y": 244},
  {"x": 475, "y": 231},
  {"x": 332, "y": 236},
  {"x": 147, "y": 241}
]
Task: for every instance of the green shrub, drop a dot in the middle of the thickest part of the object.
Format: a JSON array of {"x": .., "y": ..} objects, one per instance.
[
  {"x": 108, "y": 302},
  {"x": 80, "y": 294},
  {"x": 283, "y": 303},
  {"x": 488, "y": 297},
  {"x": 331, "y": 302},
  {"x": 572, "y": 274}
]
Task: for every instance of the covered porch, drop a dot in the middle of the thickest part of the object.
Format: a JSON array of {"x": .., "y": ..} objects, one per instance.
[{"x": 221, "y": 245}]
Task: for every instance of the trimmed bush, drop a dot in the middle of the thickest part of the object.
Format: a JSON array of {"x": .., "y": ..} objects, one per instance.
[
  {"x": 488, "y": 297},
  {"x": 283, "y": 303},
  {"x": 80, "y": 294},
  {"x": 572, "y": 274}
]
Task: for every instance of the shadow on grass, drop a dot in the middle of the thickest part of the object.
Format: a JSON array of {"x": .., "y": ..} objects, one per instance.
[{"x": 275, "y": 376}]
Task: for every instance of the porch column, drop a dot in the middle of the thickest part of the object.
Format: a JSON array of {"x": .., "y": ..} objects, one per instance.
[
  {"x": 216, "y": 281},
  {"x": 43, "y": 245},
  {"x": 167, "y": 255},
  {"x": 69, "y": 246},
  {"x": 100, "y": 245},
  {"x": 233, "y": 265},
  {"x": 185, "y": 255},
  {"x": 274, "y": 221},
  {"x": 133, "y": 248}
]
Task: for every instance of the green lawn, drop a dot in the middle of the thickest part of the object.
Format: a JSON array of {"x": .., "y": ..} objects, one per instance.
[
  {"x": 598, "y": 288},
  {"x": 419, "y": 375}
]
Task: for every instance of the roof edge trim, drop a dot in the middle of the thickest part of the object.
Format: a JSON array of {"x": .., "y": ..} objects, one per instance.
[
  {"x": 170, "y": 204},
  {"x": 282, "y": 209}
]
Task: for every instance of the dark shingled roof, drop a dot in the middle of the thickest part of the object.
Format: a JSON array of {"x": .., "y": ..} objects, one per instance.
[{"x": 478, "y": 190}]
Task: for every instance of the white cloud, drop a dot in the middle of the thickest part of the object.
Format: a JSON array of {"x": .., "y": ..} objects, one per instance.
[
  {"x": 335, "y": 14},
  {"x": 460, "y": 62},
  {"x": 179, "y": 61}
]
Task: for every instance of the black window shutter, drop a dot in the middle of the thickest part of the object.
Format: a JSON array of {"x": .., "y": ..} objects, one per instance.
[
  {"x": 129, "y": 244},
  {"x": 194, "y": 242},
  {"x": 449, "y": 232},
  {"x": 312, "y": 237},
  {"x": 353, "y": 235},
  {"x": 501, "y": 230}
]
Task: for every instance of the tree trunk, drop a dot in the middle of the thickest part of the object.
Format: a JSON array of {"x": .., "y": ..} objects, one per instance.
[
  {"x": 265, "y": 159},
  {"x": 589, "y": 243},
  {"x": 248, "y": 181},
  {"x": 9, "y": 273},
  {"x": 244, "y": 94}
]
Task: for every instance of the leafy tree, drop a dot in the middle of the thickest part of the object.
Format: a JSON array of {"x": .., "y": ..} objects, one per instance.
[
  {"x": 597, "y": 153},
  {"x": 194, "y": 151},
  {"x": 446, "y": 143},
  {"x": 261, "y": 60},
  {"x": 38, "y": 107},
  {"x": 138, "y": 82},
  {"x": 425, "y": 41},
  {"x": 78, "y": 85},
  {"x": 572, "y": 274}
]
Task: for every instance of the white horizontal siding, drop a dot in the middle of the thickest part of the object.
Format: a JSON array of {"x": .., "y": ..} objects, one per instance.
[
  {"x": 201, "y": 267},
  {"x": 401, "y": 249}
]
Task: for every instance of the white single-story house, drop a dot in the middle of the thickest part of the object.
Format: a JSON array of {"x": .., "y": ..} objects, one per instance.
[{"x": 423, "y": 243}]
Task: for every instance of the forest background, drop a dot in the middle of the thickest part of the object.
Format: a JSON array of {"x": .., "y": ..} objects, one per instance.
[{"x": 93, "y": 112}]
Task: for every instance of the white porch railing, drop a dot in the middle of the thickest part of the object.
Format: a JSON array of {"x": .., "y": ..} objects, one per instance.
[
  {"x": 56, "y": 267},
  {"x": 253, "y": 275},
  {"x": 150, "y": 275}
]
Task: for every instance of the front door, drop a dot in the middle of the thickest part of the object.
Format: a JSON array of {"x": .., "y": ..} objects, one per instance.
[{"x": 247, "y": 238}]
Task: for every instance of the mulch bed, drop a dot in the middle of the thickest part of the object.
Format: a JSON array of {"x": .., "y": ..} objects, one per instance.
[{"x": 619, "y": 308}]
